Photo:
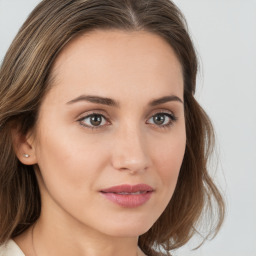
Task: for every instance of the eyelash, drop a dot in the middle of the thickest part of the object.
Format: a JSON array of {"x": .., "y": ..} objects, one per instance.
[{"x": 171, "y": 116}]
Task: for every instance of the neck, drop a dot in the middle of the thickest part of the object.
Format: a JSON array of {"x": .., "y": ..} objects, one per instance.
[{"x": 57, "y": 240}]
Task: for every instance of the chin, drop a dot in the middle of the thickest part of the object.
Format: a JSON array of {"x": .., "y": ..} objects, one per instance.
[
  {"x": 129, "y": 228},
  {"x": 128, "y": 232}
]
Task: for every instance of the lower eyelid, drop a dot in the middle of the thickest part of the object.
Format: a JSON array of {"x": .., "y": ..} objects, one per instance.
[
  {"x": 173, "y": 118},
  {"x": 80, "y": 120}
]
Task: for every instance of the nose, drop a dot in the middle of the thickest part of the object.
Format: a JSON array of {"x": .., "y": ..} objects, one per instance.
[{"x": 130, "y": 151}]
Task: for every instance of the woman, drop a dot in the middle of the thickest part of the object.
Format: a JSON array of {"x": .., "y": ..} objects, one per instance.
[{"x": 103, "y": 146}]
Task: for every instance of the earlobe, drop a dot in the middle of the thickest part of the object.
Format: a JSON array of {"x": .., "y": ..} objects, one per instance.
[{"x": 24, "y": 147}]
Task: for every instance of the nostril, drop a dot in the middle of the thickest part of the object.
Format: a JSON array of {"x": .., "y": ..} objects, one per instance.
[
  {"x": 130, "y": 165},
  {"x": 129, "y": 152}
]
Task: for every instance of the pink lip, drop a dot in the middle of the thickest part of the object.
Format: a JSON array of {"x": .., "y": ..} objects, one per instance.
[{"x": 128, "y": 195}]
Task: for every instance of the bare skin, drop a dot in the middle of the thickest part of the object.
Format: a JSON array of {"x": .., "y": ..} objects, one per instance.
[{"x": 139, "y": 139}]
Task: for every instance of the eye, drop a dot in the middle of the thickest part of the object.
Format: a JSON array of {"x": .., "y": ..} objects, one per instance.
[
  {"x": 162, "y": 119},
  {"x": 94, "y": 120}
]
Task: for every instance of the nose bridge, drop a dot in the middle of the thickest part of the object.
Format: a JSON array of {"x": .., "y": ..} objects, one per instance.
[{"x": 130, "y": 149}]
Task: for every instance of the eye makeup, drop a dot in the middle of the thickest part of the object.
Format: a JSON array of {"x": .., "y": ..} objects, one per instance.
[{"x": 97, "y": 120}]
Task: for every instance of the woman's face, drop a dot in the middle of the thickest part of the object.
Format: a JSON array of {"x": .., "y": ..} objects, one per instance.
[{"x": 110, "y": 136}]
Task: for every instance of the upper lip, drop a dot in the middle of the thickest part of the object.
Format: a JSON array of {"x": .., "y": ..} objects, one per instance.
[{"x": 128, "y": 188}]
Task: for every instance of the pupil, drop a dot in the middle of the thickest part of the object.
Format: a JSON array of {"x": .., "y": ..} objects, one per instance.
[
  {"x": 159, "y": 119},
  {"x": 96, "y": 120}
]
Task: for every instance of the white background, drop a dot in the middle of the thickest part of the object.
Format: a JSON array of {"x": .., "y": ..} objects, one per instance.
[{"x": 224, "y": 33}]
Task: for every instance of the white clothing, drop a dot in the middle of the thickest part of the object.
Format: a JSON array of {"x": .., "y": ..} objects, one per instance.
[{"x": 10, "y": 249}]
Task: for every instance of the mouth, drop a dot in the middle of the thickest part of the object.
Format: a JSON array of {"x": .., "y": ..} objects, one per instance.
[
  {"x": 128, "y": 196},
  {"x": 127, "y": 193}
]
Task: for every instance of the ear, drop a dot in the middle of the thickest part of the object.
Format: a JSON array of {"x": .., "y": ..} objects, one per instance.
[{"x": 24, "y": 147}]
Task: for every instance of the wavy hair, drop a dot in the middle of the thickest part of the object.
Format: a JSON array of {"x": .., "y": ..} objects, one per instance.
[{"x": 25, "y": 79}]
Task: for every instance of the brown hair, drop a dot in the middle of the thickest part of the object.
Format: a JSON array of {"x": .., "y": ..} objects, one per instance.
[{"x": 24, "y": 80}]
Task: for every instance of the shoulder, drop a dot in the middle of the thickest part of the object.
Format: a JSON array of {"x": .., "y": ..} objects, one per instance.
[{"x": 10, "y": 248}]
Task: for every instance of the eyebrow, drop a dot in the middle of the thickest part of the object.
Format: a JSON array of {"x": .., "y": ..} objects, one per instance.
[
  {"x": 95, "y": 99},
  {"x": 113, "y": 103},
  {"x": 164, "y": 100}
]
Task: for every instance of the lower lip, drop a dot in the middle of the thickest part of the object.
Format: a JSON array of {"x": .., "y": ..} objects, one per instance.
[{"x": 129, "y": 201}]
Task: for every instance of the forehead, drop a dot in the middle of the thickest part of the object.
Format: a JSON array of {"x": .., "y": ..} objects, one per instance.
[{"x": 104, "y": 60}]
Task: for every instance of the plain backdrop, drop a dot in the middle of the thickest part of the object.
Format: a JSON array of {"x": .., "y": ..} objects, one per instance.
[{"x": 224, "y": 33}]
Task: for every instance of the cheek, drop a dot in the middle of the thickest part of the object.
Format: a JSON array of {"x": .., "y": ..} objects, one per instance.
[
  {"x": 68, "y": 161},
  {"x": 168, "y": 157}
]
